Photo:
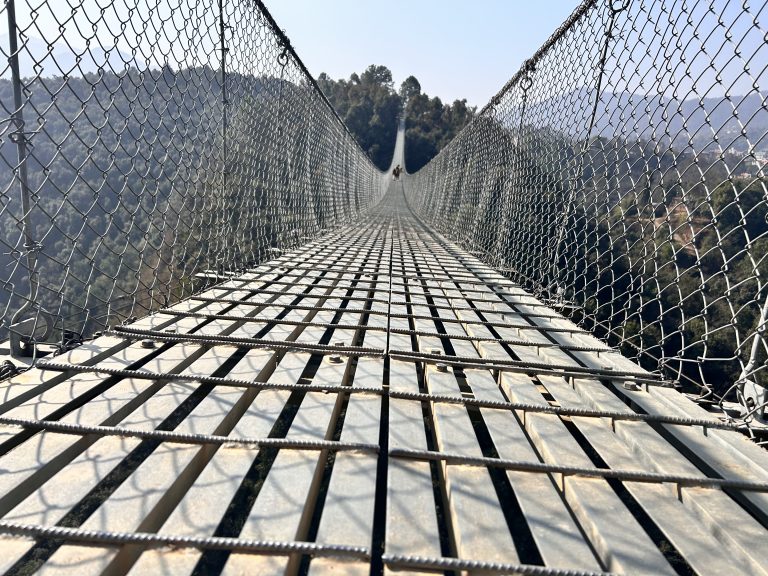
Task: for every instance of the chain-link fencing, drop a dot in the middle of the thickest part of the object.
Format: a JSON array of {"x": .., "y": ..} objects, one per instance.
[
  {"x": 621, "y": 176},
  {"x": 149, "y": 145}
]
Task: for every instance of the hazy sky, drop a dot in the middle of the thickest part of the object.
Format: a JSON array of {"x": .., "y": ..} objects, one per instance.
[{"x": 465, "y": 49}]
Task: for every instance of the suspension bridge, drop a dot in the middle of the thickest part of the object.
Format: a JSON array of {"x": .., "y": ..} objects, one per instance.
[{"x": 236, "y": 347}]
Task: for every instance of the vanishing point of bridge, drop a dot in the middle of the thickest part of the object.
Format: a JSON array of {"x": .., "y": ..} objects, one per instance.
[{"x": 322, "y": 370}]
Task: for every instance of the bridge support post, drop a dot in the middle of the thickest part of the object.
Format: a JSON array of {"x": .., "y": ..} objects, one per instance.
[{"x": 29, "y": 330}]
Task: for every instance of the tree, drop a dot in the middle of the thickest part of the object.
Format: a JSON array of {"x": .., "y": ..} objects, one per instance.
[
  {"x": 410, "y": 87},
  {"x": 430, "y": 124},
  {"x": 378, "y": 76}
]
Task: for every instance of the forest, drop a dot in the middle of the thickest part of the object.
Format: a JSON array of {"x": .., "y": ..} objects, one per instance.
[
  {"x": 371, "y": 108},
  {"x": 672, "y": 263}
]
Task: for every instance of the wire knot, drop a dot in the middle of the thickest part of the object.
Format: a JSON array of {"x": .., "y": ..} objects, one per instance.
[
  {"x": 618, "y": 5},
  {"x": 282, "y": 58}
]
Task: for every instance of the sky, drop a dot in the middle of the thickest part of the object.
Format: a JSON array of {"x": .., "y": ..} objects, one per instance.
[{"x": 455, "y": 49}]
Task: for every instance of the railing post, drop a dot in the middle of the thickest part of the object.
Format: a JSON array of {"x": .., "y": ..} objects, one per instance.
[
  {"x": 226, "y": 217},
  {"x": 19, "y": 328},
  {"x": 754, "y": 395}
]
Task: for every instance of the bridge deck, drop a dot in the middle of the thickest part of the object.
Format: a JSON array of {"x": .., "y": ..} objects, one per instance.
[{"x": 378, "y": 398}]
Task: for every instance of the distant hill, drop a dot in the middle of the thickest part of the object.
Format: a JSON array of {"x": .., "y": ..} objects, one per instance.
[
  {"x": 123, "y": 167},
  {"x": 701, "y": 121},
  {"x": 707, "y": 123},
  {"x": 37, "y": 58}
]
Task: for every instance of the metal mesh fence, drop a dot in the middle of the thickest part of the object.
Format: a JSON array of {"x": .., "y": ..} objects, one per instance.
[
  {"x": 144, "y": 142},
  {"x": 621, "y": 176}
]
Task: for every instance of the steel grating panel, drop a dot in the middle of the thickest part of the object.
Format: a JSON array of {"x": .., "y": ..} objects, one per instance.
[{"x": 376, "y": 401}]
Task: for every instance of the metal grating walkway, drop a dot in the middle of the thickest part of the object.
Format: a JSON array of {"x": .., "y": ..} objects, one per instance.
[{"x": 378, "y": 400}]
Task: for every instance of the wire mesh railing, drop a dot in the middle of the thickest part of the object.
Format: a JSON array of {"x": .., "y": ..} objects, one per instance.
[
  {"x": 145, "y": 142},
  {"x": 621, "y": 176}
]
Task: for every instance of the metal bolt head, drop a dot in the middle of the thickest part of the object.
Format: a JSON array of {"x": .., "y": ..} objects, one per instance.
[
  {"x": 335, "y": 359},
  {"x": 442, "y": 367},
  {"x": 629, "y": 385},
  {"x": 436, "y": 351},
  {"x": 147, "y": 343}
]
